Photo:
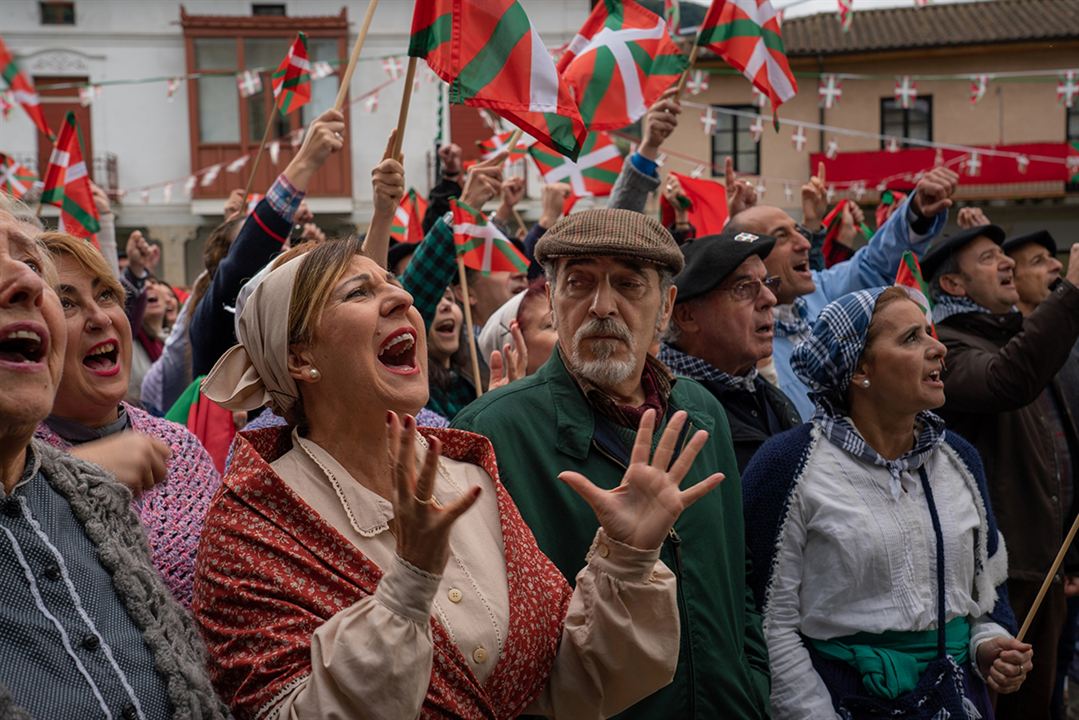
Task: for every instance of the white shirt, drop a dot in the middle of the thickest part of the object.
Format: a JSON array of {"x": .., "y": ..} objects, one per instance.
[{"x": 852, "y": 558}]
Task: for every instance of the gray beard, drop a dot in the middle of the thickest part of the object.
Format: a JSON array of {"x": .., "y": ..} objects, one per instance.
[{"x": 603, "y": 371}]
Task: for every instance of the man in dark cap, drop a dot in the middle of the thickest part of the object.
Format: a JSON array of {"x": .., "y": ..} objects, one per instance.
[
  {"x": 1036, "y": 269},
  {"x": 722, "y": 327},
  {"x": 610, "y": 287},
  {"x": 999, "y": 367}
]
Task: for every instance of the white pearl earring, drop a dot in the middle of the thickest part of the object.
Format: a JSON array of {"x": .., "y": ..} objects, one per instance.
[
  {"x": 865, "y": 383},
  {"x": 313, "y": 373}
]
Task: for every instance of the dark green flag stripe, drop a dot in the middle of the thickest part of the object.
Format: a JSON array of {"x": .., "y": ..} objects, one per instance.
[{"x": 492, "y": 59}]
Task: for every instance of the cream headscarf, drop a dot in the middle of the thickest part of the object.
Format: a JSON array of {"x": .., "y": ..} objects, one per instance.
[{"x": 255, "y": 372}]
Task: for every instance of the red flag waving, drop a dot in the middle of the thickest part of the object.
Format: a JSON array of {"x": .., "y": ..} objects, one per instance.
[
  {"x": 408, "y": 219},
  {"x": 481, "y": 245},
  {"x": 594, "y": 172},
  {"x": 707, "y": 205},
  {"x": 15, "y": 178},
  {"x": 746, "y": 34},
  {"x": 67, "y": 185},
  {"x": 22, "y": 88},
  {"x": 619, "y": 63},
  {"x": 492, "y": 57},
  {"x": 292, "y": 78}
]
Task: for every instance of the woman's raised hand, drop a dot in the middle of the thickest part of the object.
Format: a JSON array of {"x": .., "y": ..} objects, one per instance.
[
  {"x": 420, "y": 523},
  {"x": 641, "y": 511}
]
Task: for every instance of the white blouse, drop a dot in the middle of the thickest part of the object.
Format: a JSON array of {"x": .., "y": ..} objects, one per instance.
[
  {"x": 619, "y": 643},
  {"x": 852, "y": 558}
]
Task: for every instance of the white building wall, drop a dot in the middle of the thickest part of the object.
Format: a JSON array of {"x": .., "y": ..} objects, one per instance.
[{"x": 129, "y": 39}]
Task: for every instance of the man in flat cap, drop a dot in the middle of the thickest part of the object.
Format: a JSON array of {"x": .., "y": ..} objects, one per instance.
[
  {"x": 722, "y": 327},
  {"x": 803, "y": 292},
  {"x": 610, "y": 287},
  {"x": 1000, "y": 366}
]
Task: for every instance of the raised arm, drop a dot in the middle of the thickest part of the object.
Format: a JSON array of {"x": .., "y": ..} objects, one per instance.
[
  {"x": 388, "y": 187},
  {"x": 640, "y": 174}
]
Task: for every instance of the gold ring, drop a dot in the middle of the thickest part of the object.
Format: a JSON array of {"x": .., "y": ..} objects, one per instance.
[{"x": 432, "y": 501}]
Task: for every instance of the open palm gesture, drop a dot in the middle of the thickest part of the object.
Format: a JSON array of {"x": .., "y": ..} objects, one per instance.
[{"x": 641, "y": 511}]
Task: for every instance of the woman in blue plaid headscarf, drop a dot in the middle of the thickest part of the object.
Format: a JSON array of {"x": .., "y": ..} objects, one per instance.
[{"x": 883, "y": 583}]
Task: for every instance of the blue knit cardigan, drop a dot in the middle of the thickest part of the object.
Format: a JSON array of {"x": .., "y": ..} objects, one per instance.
[{"x": 768, "y": 484}]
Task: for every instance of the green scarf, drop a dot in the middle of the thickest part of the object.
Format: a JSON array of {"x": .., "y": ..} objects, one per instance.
[{"x": 892, "y": 662}]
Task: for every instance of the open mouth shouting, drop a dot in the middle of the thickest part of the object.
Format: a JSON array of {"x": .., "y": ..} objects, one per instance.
[
  {"x": 23, "y": 346},
  {"x": 397, "y": 353},
  {"x": 447, "y": 327},
  {"x": 103, "y": 358},
  {"x": 934, "y": 378}
]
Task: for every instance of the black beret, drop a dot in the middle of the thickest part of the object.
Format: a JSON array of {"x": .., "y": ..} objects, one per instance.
[
  {"x": 710, "y": 259},
  {"x": 1042, "y": 237},
  {"x": 398, "y": 252},
  {"x": 944, "y": 247}
]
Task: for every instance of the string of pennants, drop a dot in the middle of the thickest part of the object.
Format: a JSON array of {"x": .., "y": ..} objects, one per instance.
[
  {"x": 248, "y": 82},
  {"x": 830, "y": 85},
  {"x": 892, "y": 143}
]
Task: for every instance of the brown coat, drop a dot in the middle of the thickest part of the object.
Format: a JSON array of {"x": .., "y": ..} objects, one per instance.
[{"x": 998, "y": 365}]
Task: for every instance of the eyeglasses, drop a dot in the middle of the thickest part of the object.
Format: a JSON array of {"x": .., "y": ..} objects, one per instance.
[{"x": 746, "y": 290}]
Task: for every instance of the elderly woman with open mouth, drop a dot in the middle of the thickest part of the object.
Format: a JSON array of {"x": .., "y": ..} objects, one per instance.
[
  {"x": 90, "y": 418},
  {"x": 335, "y": 579},
  {"x": 882, "y": 569},
  {"x": 88, "y": 628}
]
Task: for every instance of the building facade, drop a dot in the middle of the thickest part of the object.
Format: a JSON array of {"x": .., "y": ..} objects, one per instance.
[{"x": 143, "y": 142}]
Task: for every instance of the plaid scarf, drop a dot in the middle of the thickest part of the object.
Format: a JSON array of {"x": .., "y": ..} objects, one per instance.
[
  {"x": 840, "y": 431},
  {"x": 681, "y": 363},
  {"x": 656, "y": 382},
  {"x": 793, "y": 320},
  {"x": 945, "y": 305}
]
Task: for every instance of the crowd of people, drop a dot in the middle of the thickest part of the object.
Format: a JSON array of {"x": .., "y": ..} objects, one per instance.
[{"x": 737, "y": 475}]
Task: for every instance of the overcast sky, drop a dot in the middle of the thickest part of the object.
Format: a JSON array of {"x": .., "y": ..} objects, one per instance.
[{"x": 796, "y": 8}]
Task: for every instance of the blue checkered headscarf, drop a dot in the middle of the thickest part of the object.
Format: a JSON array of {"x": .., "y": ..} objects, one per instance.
[
  {"x": 826, "y": 362},
  {"x": 827, "y": 359}
]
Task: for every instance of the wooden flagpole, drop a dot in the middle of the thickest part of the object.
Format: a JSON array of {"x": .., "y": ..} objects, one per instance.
[
  {"x": 406, "y": 99},
  {"x": 689, "y": 68},
  {"x": 346, "y": 79},
  {"x": 468, "y": 326},
  {"x": 515, "y": 137},
  {"x": 255, "y": 164},
  {"x": 1048, "y": 580}
]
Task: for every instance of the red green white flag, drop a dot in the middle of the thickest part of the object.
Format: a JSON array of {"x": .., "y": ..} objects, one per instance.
[
  {"x": 22, "y": 89},
  {"x": 594, "y": 172},
  {"x": 746, "y": 34},
  {"x": 707, "y": 205},
  {"x": 910, "y": 277},
  {"x": 407, "y": 224},
  {"x": 292, "y": 78},
  {"x": 15, "y": 178},
  {"x": 497, "y": 143},
  {"x": 619, "y": 63},
  {"x": 492, "y": 57},
  {"x": 67, "y": 184},
  {"x": 481, "y": 245}
]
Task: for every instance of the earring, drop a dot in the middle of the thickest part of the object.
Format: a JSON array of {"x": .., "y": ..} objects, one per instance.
[
  {"x": 314, "y": 374},
  {"x": 865, "y": 383}
]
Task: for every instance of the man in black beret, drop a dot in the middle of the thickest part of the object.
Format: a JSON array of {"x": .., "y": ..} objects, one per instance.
[
  {"x": 722, "y": 326},
  {"x": 999, "y": 394}
]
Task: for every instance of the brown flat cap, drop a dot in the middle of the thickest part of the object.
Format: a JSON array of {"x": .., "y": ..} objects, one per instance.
[{"x": 611, "y": 233}]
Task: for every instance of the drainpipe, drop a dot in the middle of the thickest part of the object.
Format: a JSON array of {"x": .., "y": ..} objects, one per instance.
[{"x": 820, "y": 109}]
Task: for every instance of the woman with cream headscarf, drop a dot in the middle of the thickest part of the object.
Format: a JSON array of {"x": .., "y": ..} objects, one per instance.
[
  {"x": 336, "y": 580},
  {"x": 882, "y": 570}
]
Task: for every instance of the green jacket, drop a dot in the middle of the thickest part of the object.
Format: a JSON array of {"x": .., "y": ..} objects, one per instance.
[{"x": 542, "y": 425}]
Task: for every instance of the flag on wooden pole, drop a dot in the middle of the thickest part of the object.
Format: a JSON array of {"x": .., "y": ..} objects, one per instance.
[
  {"x": 619, "y": 63},
  {"x": 15, "y": 178},
  {"x": 292, "y": 78},
  {"x": 492, "y": 57},
  {"x": 407, "y": 224},
  {"x": 67, "y": 183},
  {"x": 22, "y": 89},
  {"x": 746, "y": 34},
  {"x": 593, "y": 173},
  {"x": 481, "y": 245},
  {"x": 910, "y": 277}
]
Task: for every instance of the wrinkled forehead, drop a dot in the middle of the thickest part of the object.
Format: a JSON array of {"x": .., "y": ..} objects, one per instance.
[
  {"x": 765, "y": 220},
  {"x": 16, "y": 235}
]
